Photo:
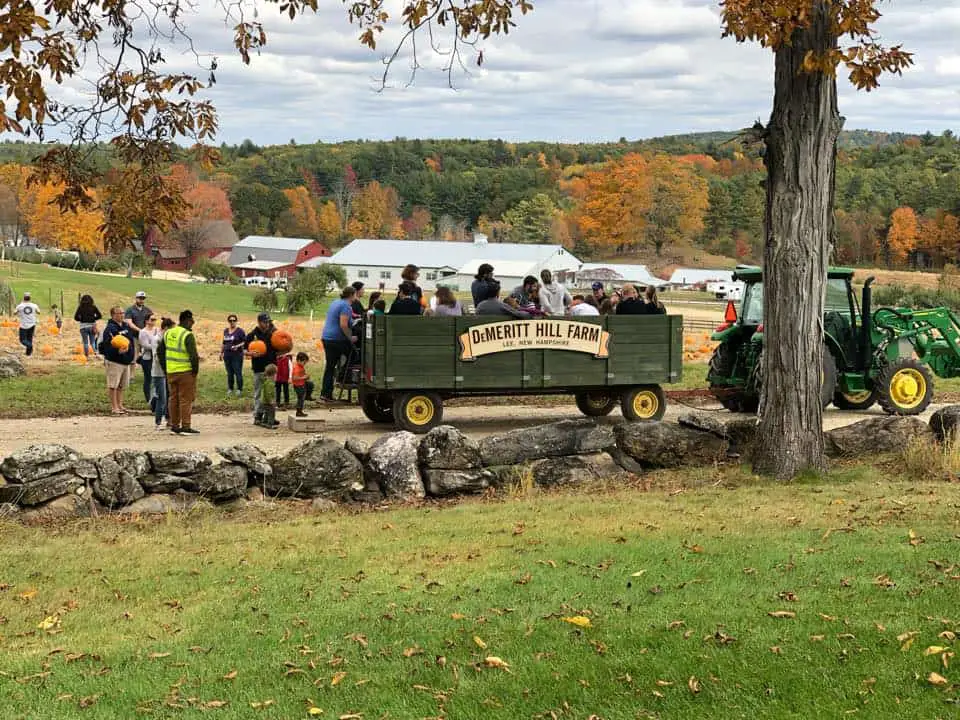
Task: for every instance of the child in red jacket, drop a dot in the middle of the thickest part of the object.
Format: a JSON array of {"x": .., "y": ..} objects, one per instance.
[{"x": 282, "y": 383}]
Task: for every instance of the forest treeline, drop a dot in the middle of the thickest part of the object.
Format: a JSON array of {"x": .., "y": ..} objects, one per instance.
[{"x": 898, "y": 195}]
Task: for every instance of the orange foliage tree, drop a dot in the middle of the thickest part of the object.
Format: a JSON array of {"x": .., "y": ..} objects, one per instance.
[
  {"x": 374, "y": 213},
  {"x": 70, "y": 230},
  {"x": 902, "y": 235},
  {"x": 613, "y": 213},
  {"x": 300, "y": 219},
  {"x": 329, "y": 223}
]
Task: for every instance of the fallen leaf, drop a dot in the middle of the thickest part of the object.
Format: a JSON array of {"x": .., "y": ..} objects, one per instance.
[
  {"x": 578, "y": 620},
  {"x": 906, "y": 639},
  {"x": 934, "y": 650},
  {"x": 261, "y": 704},
  {"x": 782, "y": 614},
  {"x": 214, "y": 704},
  {"x": 817, "y": 638},
  {"x": 232, "y": 675},
  {"x": 937, "y": 679},
  {"x": 947, "y": 635},
  {"x": 639, "y": 573},
  {"x": 87, "y": 701},
  {"x": 828, "y": 618},
  {"x": 776, "y": 650},
  {"x": 693, "y": 684},
  {"x": 158, "y": 655},
  {"x": 337, "y": 677},
  {"x": 479, "y": 643},
  {"x": 457, "y": 616},
  {"x": 664, "y": 683},
  {"x": 351, "y": 716},
  {"x": 411, "y": 651},
  {"x": 315, "y": 711},
  {"x": 27, "y": 595},
  {"x": 493, "y": 661},
  {"x": 49, "y": 622}
]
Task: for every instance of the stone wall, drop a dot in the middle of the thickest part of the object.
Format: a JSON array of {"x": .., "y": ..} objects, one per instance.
[{"x": 53, "y": 481}]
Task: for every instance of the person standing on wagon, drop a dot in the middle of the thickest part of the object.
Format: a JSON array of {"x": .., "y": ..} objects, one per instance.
[{"x": 338, "y": 340}]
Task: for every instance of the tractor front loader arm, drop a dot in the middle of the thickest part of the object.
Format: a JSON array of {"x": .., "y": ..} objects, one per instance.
[{"x": 933, "y": 334}]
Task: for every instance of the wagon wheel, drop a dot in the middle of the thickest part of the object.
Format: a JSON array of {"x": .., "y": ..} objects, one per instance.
[
  {"x": 417, "y": 411},
  {"x": 596, "y": 403},
  {"x": 378, "y": 407},
  {"x": 644, "y": 402}
]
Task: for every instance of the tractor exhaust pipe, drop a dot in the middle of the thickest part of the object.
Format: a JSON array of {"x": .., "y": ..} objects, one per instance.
[{"x": 866, "y": 323}]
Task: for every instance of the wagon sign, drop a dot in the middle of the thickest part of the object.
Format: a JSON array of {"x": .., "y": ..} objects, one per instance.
[{"x": 503, "y": 336}]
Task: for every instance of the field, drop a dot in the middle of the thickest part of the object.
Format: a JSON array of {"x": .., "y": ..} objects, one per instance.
[{"x": 696, "y": 596}]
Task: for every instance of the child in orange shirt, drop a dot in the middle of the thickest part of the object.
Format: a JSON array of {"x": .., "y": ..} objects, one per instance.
[{"x": 301, "y": 382}]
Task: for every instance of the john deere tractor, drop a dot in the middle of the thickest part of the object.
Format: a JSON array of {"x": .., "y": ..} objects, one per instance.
[{"x": 888, "y": 356}]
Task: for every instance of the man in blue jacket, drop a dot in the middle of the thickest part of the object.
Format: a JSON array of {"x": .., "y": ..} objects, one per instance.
[{"x": 117, "y": 360}]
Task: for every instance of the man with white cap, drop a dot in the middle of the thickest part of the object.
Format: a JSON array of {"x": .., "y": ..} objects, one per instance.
[
  {"x": 136, "y": 317},
  {"x": 27, "y": 312}
]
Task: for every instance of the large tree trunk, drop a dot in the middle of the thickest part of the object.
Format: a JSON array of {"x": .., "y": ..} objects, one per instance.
[{"x": 801, "y": 160}]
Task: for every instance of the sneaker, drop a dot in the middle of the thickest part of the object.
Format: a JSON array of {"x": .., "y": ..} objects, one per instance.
[
  {"x": 301, "y": 413},
  {"x": 189, "y": 431},
  {"x": 325, "y": 399},
  {"x": 160, "y": 428},
  {"x": 276, "y": 423},
  {"x": 175, "y": 431}
]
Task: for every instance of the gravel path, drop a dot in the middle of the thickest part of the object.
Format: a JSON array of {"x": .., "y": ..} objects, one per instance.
[{"x": 100, "y": 435}]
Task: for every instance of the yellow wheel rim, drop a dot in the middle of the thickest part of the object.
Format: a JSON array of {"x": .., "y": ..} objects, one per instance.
[
  {"x": 908, "y": 387},
  {"x": 857, "y": 397},
  {"x": 419, "y": 410},
  {"x": 645, "y": 404}
]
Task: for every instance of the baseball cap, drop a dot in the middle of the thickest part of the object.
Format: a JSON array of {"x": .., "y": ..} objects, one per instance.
[
  {"x": 26, "y": 296},
  {"x": 263, "y": 317},
  {"x": 597, "y": 286},
  {"x": 140, "y": 294}
]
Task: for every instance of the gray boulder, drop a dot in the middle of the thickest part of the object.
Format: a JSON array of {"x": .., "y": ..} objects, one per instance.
[
  {"x": 393, "y": 464},
  {"x": 162, "y": 483},
  {"x": 319, "y": 467},
  {"x": 222, "y": 482},
  {"x": 118, "y": 477},
  {"x": 441, "y": 483},
  {"x": 358, "y": 448},
  {"x": 38, "y": 461},
  {"x": 665, "y": 445},
  {"x": 567, "y": 437},
  {"x": 177, "y": 462},
  {"x": 575, "y": 470},
  {"x": 178, "y": 502},
  {"x": 61, "y": 508},
  {"x": 706, "y": 422},
  {"x": 874, "y": 436},
  {"x": 945, "y": 421},
  {"x": 43, "y": 489},
  {"x": 11, "y": 366},
  {"x": 250, "y": 457},
  {"x": 446, "y": 448},
  {"x": 86, "y": 468}
]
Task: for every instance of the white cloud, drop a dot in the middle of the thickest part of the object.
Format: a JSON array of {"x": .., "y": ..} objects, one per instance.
[{"x": 573, "y": 70}]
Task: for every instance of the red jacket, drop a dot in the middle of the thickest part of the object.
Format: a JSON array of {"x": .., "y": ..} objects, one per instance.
[{"x": 283, "y": 369}]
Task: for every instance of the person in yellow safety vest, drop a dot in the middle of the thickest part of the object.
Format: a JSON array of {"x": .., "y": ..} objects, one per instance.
[{"x": 182, "y": 364}]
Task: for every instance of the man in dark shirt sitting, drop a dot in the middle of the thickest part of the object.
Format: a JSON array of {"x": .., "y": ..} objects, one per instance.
[
  {"x": 406, "y": 303},
  {"x": 493, "y": 305}
]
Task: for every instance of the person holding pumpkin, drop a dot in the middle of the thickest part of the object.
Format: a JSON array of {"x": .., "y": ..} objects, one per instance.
[
  {"x": 260, "y": 350},
  {"x": 119, "y": 353}
]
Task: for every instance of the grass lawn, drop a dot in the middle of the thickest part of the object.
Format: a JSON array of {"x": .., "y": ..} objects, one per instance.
[
  {"x": 168, "y": 296},
  {"x": 815, "y": 600}
]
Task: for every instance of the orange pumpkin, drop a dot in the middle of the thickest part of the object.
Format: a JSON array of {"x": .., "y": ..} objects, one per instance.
[
  {"x": 281, "y": 341},
  {"x": 120, "y": 342},
  {"x": 257, "y": 348},
  {"x": 46, "y": 351},
  {"x": 53, "y": 330}
]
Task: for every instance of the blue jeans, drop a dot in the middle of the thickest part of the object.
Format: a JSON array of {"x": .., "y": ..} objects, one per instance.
[
  {"x": 26, "y": 338},
  {"x": 89, "y": 338},
  {"x": 234, "y": 365},
  {"x": 160, "y": 392},
  {"x": 333, "y": 350},
  {"x": 147, "y": 367}
]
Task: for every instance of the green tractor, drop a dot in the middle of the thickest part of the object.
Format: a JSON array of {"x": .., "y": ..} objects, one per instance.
[{"x": 888, "y": 356}]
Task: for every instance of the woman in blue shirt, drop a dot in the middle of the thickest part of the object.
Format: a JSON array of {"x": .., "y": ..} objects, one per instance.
[
  {"x": 338, "y": 339},
  {"x": 231, "y": 352}
]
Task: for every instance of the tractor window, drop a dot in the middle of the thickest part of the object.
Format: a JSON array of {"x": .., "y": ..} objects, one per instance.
[
  {"x": 838, "y": 299},
  {"x": 752, "y": 313}
]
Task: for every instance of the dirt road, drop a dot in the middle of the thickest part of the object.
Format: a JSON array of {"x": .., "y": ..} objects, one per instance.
[{"x": 100, "y": 435}]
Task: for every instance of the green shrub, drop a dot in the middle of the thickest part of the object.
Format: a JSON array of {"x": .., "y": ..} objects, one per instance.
[{"x": 266, "y": 300}]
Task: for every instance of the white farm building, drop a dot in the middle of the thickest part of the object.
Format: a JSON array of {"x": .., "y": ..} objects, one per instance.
[{"x": 453, "y": 264}]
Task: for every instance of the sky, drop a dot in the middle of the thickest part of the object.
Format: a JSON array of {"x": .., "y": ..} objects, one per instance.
[{"x": 572, "y": 70}]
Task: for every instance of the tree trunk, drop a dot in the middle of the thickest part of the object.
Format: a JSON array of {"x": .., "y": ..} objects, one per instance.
[{"x": 801, "y": 160}]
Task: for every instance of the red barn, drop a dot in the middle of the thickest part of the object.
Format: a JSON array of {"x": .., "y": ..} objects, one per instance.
[
  {"x": 273, "y": 257},
  {"x": 179, "y": 251}
]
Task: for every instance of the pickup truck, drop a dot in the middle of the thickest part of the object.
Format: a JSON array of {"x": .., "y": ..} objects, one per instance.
[{"x": 410, "y": 365}]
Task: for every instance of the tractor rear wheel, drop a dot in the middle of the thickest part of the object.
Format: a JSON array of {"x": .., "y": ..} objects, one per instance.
[
  {"x": 855, "y": 400},
  {"x": 596, "y": 403},
  {"x": 828, "y": 376},
  {"x": 905, "y": 387},
  {"x": 731, "y": 397}
]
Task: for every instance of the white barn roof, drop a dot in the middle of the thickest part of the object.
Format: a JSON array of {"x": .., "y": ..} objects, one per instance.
[
  {"x": 437, "y": 254},
  {"x": 315, "y": 262},
  {"x": 268, "y": 249},
  {"x": 274, "y": 243},
  {"x": 693, "y": 276},
  {"x": 628, "y": 273}
]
